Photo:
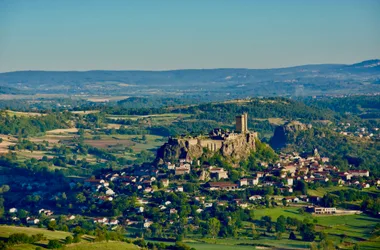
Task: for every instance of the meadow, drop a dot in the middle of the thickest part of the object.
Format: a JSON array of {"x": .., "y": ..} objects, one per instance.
[
  {"x": 342, "y": 229},
  {"x": 6, "y": 231}
]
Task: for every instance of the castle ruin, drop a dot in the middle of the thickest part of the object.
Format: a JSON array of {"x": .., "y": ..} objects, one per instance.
[
  {"x": 242, "y": 123},
  {"x": 236, "y": 144}
]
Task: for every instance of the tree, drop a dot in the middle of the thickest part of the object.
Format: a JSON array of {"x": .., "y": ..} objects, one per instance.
[
  {"x": 1, "y": 206},
  {"x": 292, "y": 236},
  {"x": 69, "y": 240},
  {"x": 156, "y": 229},
  {"x": 76, "y": 238},
  {"x": 278, "y": 236},
  {"x": 80, "y": 198},
  {"x": 284, "y": 202},
  {"x": 307, "y": 231},
  {"x": 326, "y": 245},
  {"x": 254, "y": 232},
  {"x": 251, "y": 214},
  {"x": 301, "y": 186},
  {"x": 281, "y": 224},
  {"x": 52, "y": 225},
  {"x": 22, "y": 214},
  {"x": 213, "y": 227},
  {"x": 328, "y": 201},
  {"x": 54, "y": 244},
  {"x": 267, "y": 222},
  {"x": 4, "y": 189}
]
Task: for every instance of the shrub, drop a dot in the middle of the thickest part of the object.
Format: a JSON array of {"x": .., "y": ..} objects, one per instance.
[
  {"x": 76, "y": 239},
  {"x": 54, "y": 244},
  {"x": 292, "y": 236},
  {"x": 69, "y": 240}
]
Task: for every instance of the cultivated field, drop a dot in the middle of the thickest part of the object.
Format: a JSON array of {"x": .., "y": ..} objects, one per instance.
[
  {"x": 133, "y": 141},
  {"x": 17, "y": 113},
  {"x": 62, "y": 131},
  {"x": 6, "y": 142}
]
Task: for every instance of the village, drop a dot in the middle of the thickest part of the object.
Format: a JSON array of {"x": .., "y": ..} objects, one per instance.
[
  {"x": 159, "y": 189},
  {"x": 348, "y": 129}
]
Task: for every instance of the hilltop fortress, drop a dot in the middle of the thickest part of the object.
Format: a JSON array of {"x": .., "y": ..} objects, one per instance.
[{"x": 236, "y": 144}]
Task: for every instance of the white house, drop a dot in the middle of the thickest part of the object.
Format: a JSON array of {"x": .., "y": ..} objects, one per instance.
[
  {"x": 13, "y": 210},
  {"x": 147, "y": 223},
  {"x": 110, "y": 192},
  {"x": 255, "y": 197},
  {"x": 113, "y": 222},
  {"x": 103, "y": 220},
  {"x": 31, "y": 220},
  {"x": 71, "y": 217}
]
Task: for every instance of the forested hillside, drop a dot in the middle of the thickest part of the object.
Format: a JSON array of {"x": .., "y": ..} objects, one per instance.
[{"x": 24, "y": 124}]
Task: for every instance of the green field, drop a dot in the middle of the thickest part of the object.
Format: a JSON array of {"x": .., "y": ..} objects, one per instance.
[
  {"x": 134, "y": 142},
  {"x": 347, "y": 228},
  {"x": 278, "y": 211},
  {"x": 249, "y": 244},
  {"x": 322, "y": 191},
  {"x": 344, "y": 230},
  {"x": 6, "y": 231},
  {"x": 102, "y": 246},
  {"x": 207, "y": 246}
]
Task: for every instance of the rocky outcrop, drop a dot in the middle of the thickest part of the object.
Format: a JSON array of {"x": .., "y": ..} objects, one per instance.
[
  {"x": 282, "y": 133},
  {"x": 235, "y": 146},
  {"x": 176, "y": 149}
]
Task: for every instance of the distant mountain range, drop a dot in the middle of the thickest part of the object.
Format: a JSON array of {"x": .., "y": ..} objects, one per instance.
[{"x": 306, "y": 80}]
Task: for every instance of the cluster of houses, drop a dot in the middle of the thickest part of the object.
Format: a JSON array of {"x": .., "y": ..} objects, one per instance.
[
  {"x": 145, "y": 179},
  {"x": 348, "y": 129},
  {"x": 106, "y": 221},
  {"x": 35, "y": 220},
  {"x": 293, "y": 167}
]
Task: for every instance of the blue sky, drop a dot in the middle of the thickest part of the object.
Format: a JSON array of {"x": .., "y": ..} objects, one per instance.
[{"x": 86, "y": 35}]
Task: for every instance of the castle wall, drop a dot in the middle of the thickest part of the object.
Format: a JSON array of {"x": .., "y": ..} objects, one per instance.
[
  {"x": 192, "y": 142},
  {"x": 212, "y": 145},
  {"x": 235, "y": 145}
]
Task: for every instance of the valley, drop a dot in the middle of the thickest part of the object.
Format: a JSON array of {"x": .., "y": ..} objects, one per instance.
[{"x": 104, "y": 177}]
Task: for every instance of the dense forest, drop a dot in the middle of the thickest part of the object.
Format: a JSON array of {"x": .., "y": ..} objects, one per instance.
[
  {"x": 12, "y": 124},
  {"x": 259, "y": 108},
  {"x": 365, "y": 107}
]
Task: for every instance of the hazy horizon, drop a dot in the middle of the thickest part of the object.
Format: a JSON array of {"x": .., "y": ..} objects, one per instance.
[
  {"x": 167, "y": 35},
  {"x": 163, "y": 70}
]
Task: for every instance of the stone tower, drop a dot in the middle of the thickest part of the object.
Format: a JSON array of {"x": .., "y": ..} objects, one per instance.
[{"x": 241, "y": 123}]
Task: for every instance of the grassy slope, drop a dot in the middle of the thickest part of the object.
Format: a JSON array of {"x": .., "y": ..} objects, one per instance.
[
  {"x": 356, "y": 228},
  {"x": 5, "y": 231},
  {"x": 101, "y": 246}
]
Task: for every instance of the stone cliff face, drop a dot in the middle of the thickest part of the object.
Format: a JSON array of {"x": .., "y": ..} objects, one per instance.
[
  {"x": 237, "y": 147},
  {"x": 282, "y": 133}
]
